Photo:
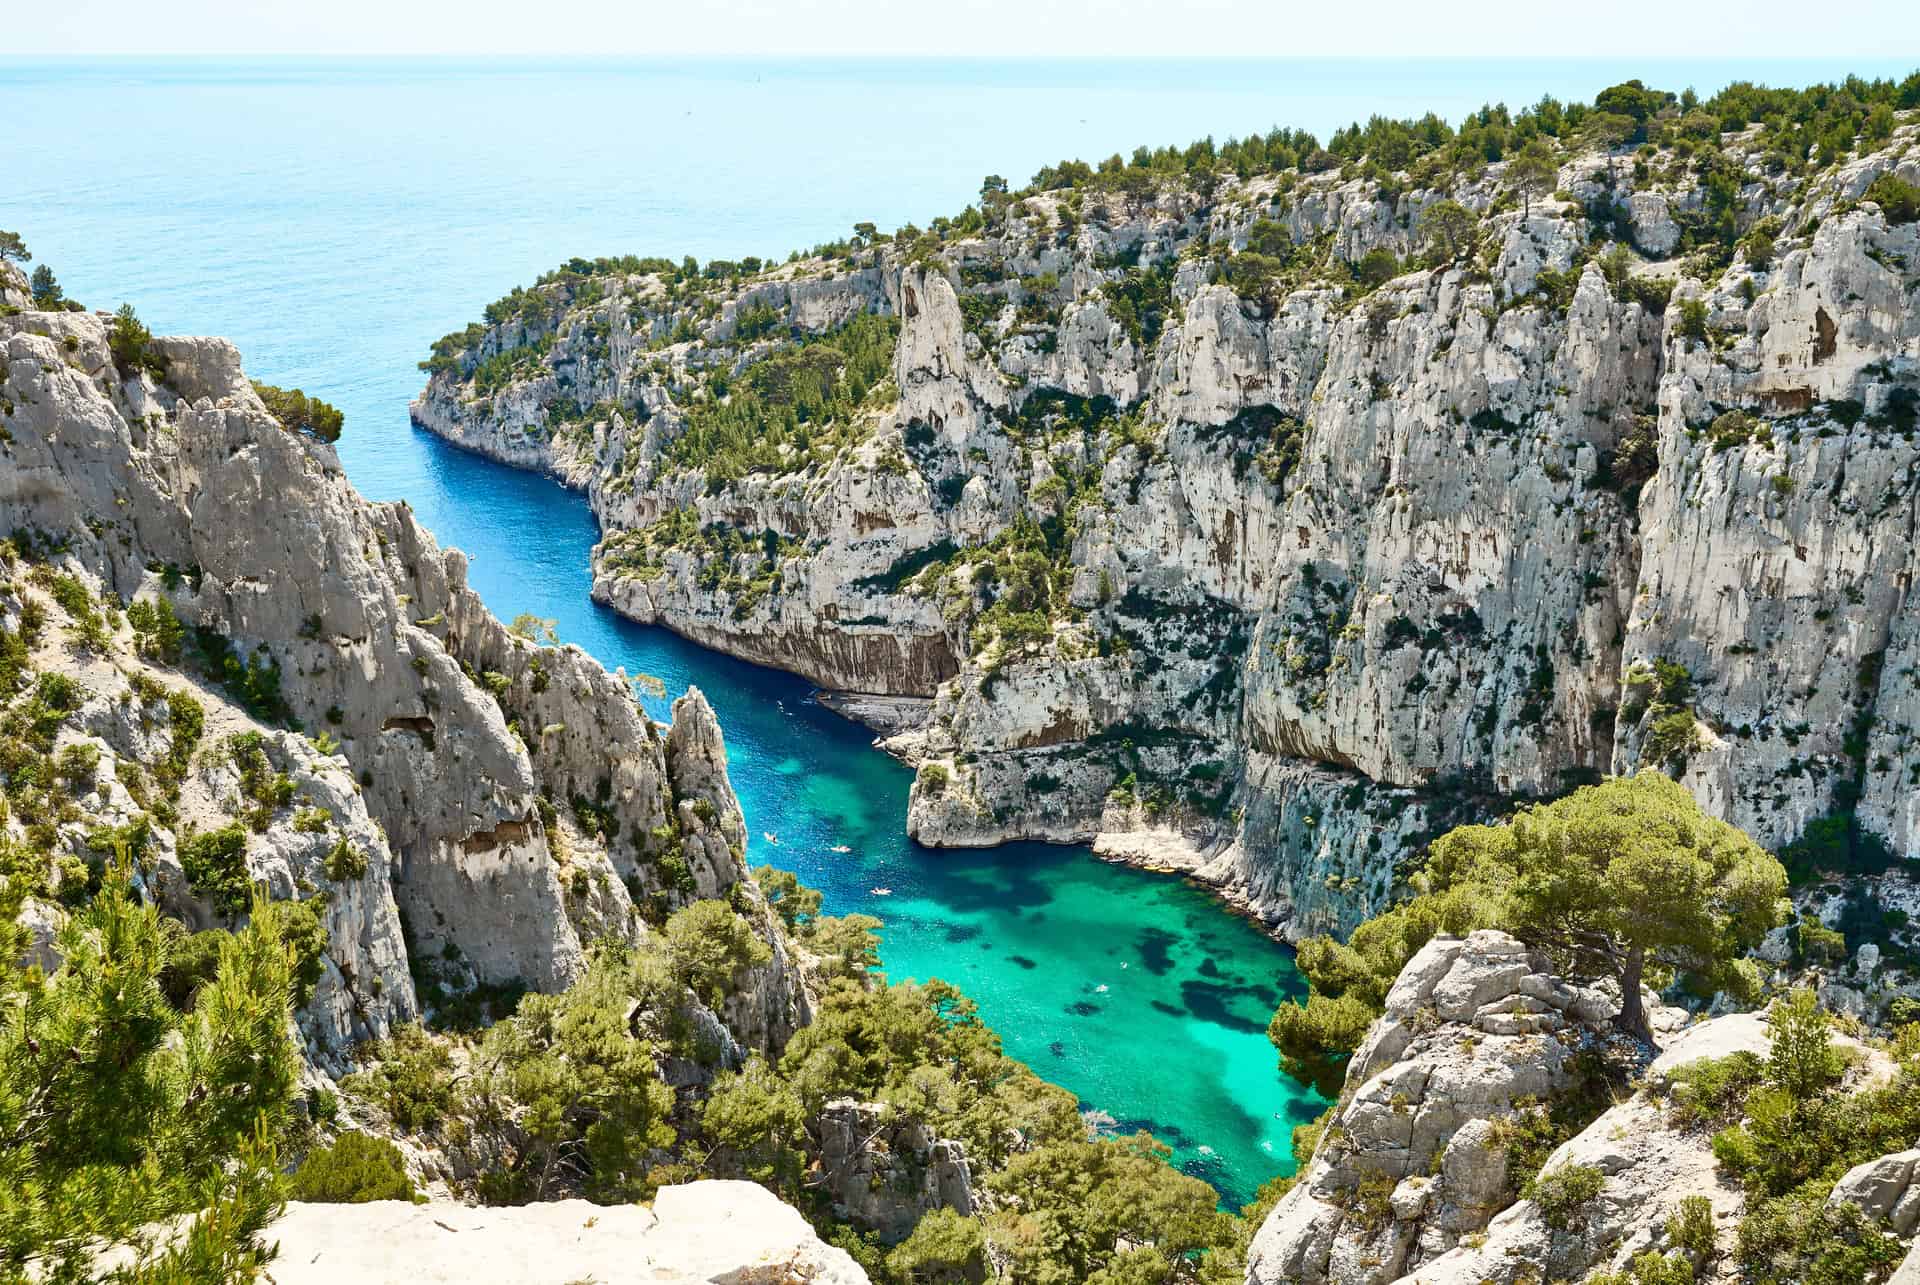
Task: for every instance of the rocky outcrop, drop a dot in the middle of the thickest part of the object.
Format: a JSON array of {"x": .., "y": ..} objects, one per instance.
[
  {"x": 1909, "y": 1272},
  {"x": 1648, "y": 1169},
  {"x": 499, "y": 803},
  {"x": 1480, "y": 1054},
  {"x": 1886, "y": 1190},
  {"x": 1477, "y": 1031},
  {"x": 882, "y": 1171},
  {"x": 690, "y": 1235},
  {"x": 1294, "y": 579}
]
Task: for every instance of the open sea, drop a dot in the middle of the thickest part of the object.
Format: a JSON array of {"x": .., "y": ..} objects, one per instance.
[{"x": 334, "y": 217}]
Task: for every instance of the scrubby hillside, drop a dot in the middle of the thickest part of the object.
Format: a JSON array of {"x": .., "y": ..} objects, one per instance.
[{"x": 1263, "y": 509}]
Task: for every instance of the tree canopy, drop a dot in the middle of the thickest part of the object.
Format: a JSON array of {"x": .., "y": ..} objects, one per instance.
[
  {"x": 119, "y": 1111},
  {"x": 299, "y": 413},
  {"x": 1620, "y": 880},
  {"x": 1623, "y": 875}
]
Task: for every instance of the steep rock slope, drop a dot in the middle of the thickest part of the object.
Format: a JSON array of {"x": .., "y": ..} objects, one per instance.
[
  {"x": 469, "y": 803},
  {"x": 1486, "y": 1071},
  {"x": 1281, "y": 521}
]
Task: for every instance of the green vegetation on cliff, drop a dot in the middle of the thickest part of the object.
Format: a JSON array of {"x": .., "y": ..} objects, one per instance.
[
  {"x": 569, "y": 1090},
  {"x": 1787, "y": 1128},
  {"x": 797, "y": 406},
  {"x": 1628, "y": 881}
]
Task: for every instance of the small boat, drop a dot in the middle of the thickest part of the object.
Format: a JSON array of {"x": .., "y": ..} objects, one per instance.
[
  {"x": 770, "y": 837},
  {"x": 881, "y": 892},
  {"x": 1101, "y": 989},
  {"x": 839, "y": 847}
]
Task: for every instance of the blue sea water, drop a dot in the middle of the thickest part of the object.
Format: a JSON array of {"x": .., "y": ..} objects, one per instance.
[{"x": 334, "y": 217}]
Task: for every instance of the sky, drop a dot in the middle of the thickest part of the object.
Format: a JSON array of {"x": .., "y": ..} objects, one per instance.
[{"x": 991, "y": 28}]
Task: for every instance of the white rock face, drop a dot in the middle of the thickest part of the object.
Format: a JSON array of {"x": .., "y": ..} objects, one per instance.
[
  {"x": 452, "y": 733},
  {"x": 1339, "y": 572},
  {"x": 1909, "y": 1273},
  {"x": 1410, "y": 1182},
  {"x": 1887, "y": 1189},
  {"x": 1474, "y": 1030},
  {"x": 883, "y": 1173},
  {"x": 696, "y": 1234}
]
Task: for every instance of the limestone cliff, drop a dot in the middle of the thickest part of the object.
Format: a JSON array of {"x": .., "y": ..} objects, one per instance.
[
  {"x": 201, "y": 586},
  {"x": 1486, "y": 1071},
  {"x": 1284, "y": 577}
]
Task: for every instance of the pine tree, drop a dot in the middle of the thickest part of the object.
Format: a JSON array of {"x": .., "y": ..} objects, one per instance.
[{"x": 117, "y": 1111}]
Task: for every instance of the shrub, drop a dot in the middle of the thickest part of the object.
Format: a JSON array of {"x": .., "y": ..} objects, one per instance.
[
  {"x": 1820, "y": 944},
  {"x": 156, "y": 628},
  {"x": 1693, "y": 319},
  {"x": 1672, "y": 738},
  {"x": 216, "y": 866},
  {"x": 299, "y": 413},
  {"x": 131, "y": 345},
  {"x": 1713, "y": 1091},
  {"x": 344, "y": 862},
  {"x": 1898, "y": 201},
  {"x": 1737, "y": 428},
  {"x": 411, "y": 1078},
  {"x": 1690, "y": 1227},
  {"x": 1649, "y": 1268},
  {"x": 1561, "y": 1193},
  {"x": 191, "y": 963},
  {"x": 355, "y": 1169},
  {"x": 123, "y": 1113},
  {"x": 306, "y": 938},
  {"x": 707, "y": 944},
  {"x": 1798, "y": 1240},
  {"x": 1376, "y": 267},
  {"x": 945, "y": 1248}
]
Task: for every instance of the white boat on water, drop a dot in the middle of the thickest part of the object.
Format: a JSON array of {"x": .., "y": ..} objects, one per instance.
[
  {"x": 770, "y": 837},
  {"x": 839, "y": 847},
  {"x": 881, "y": 892}
]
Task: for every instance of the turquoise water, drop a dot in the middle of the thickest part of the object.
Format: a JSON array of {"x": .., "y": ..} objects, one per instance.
[{"x": 336, "y": 217}]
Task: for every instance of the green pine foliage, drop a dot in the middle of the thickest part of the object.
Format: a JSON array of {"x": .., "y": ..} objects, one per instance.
[
  {"x": 354, "y": 1168},
  {"x": 119, "y": 1111},
  {"x": 299, "y": 413},
  {"x": 131, "y": 344},
  {"x": 1788, "y": 1129},
  {"x": 801, "y": 403},
  {"x": 1590, "y": 879}
]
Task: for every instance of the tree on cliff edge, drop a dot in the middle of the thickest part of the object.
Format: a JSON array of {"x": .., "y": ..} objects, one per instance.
[
  {"x": 1533, "y": 173},
  {"x": 1624, "y": 879}
]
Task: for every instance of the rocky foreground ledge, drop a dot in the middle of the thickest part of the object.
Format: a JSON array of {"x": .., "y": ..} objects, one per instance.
[{"x": 733, "y": 1232}]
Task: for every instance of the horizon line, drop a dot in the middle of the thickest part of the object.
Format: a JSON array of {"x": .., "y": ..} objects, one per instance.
[{"x": 874, "y": 55}]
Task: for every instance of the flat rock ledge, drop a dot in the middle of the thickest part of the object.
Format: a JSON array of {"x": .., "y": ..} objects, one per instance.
[{"x": 715, "y": 1233}]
